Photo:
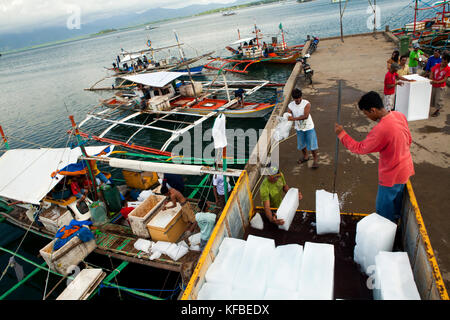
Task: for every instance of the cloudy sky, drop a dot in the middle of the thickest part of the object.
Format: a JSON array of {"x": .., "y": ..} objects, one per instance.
[{"x": 17, "y": 15}]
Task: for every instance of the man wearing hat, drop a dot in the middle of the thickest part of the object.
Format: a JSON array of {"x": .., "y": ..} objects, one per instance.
[
  {"x": 390, "y": 82},
  {"x": 414, "y": 57},
  {"x": 271, "y": 193}
]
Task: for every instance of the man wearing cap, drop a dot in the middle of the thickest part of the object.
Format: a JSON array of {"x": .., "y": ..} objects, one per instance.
[
  {"x": 390, "y": 82},
  {"x": 271, "y": 193},
  {"x": 414, "y": 57}
]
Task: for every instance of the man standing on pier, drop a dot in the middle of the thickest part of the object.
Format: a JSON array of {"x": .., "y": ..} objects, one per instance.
[
  {"x": 439, "y": 74},
  {"x": 304, "y": 125},
  {"x": 392, "y": 139},
  {"x": 414, "y": 58}
]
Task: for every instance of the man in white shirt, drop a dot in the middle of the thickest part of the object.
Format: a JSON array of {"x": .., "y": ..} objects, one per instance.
[{"x": 304, "y": 125}]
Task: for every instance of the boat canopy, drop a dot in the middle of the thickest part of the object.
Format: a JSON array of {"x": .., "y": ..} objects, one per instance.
[
  {"x": 129, "y": 57},
  {"x": 155, "y": 79},
  {"x": 244, "y": 40},
  {"x": 26, "y": 173}
]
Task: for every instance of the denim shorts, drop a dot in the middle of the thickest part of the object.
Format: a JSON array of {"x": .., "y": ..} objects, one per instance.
[
  {"x": 307, "y": 139},
  {"x": 389, "y": 201}
]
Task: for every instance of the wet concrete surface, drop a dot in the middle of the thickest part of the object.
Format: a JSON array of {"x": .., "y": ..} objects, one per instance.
[{"x": 360, "y": 62}]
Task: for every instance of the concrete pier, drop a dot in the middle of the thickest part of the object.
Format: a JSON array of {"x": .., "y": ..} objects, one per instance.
[{"x": 360, "y": 61}]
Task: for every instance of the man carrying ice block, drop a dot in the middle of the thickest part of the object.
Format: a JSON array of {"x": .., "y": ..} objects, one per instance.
[
  {"x": 271, "y": 193},
  {"x": 392, "y": 139}
]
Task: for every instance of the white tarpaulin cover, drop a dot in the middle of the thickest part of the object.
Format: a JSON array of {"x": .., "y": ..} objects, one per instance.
[
  {"x": 26, "y": 173},
  {"x": 243, "y": 40},
  {"x": 130, "y": 57},
  {"x": 155, "y": 79}
]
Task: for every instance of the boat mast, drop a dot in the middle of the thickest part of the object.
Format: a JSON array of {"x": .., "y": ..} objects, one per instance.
[
  {"x": 187, "y": 66},
  {"x": 5, "y": 141},
  {"x": 83, "y": 150},
  {"x": 415, "y": 18},
  {"x": 256, "y": 33}
]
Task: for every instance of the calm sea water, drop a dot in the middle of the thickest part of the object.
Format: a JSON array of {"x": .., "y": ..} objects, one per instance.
[{"x": 40, "y": 88}]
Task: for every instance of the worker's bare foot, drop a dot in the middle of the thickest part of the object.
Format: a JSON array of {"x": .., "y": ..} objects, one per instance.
[
  {"x": 315, "y": 165},
  {"x": 303, "y": 160}
]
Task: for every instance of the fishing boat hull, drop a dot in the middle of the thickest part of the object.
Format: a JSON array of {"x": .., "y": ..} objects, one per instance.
[
  {"x": 206, "y": 106},
  {"x": 194, "y": 70}
]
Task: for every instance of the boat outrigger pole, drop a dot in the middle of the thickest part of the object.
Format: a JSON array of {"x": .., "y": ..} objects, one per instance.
[
  {"x": 185, "y": 169},
  {"x": 83, "y": 150}
]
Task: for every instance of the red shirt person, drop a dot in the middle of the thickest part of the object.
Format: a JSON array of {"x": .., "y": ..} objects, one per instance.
[
  {"x": 439, "y": 74},
  {"x": 390, "y": 82},
  {"x": 392, "y": 139}
]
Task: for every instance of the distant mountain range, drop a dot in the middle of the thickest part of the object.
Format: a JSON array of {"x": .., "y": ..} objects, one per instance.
[{"x": 13, "y": 41}]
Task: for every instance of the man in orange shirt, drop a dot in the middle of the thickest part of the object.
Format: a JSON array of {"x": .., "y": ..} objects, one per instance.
[
  {"x": 392, "y": 139},
  {"x": 439, "y": 74}
]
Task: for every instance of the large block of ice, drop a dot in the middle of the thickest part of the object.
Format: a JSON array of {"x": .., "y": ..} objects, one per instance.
[
  {"x": 254, "y": 266},
  {"x": 227, "y": 261},
  {"x": 413, "y": 98},
  {"x": 328, "y": 217},
  {"x": 214, "y": 291},
  {"x": 394, "y": 278},
  {"x": 374, "y": 233},
  {"x": 287, "y": 208},
  {"x": 276, "y": 294},
  {"x": 285, "y": 267},
  {"x": 316, "y": 281}
]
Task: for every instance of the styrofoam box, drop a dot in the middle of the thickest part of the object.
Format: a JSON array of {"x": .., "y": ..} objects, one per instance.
[{"x": 413, "y": 98}]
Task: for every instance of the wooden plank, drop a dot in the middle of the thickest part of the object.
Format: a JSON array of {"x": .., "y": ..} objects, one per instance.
[{"x": 83, "y": 285}]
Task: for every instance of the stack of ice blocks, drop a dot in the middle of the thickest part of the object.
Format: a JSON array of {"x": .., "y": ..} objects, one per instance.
[
  {"x": 374, "y": 233},
  {"x": 394, "y": 279},
  {"x": 328, "y": 217},
  {"x": 255, "y": 270}
]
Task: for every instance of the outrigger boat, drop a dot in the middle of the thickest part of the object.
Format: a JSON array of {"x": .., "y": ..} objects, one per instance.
[
  {"x": 432, "y": 33},
  {"x": 167, "y": 94},
  {"x": 143, "y": 61},
  {"x": 33, "y": 196},
  {"x": 252, "y": 50}
]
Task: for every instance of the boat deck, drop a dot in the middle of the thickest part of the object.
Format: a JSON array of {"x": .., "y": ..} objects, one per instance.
[{"x": 117, "y": 240}]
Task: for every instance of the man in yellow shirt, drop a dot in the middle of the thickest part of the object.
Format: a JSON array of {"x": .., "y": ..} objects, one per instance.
[{"x": 404, "y": 69}]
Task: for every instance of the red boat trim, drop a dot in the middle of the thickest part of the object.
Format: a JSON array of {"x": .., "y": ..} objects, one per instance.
[{"x": 126, "y": 145}]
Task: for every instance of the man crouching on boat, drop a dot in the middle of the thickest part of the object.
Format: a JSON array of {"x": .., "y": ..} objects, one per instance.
[
  {"x": 271, "y": 193},
  {"x": 187, "y": 214}
]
